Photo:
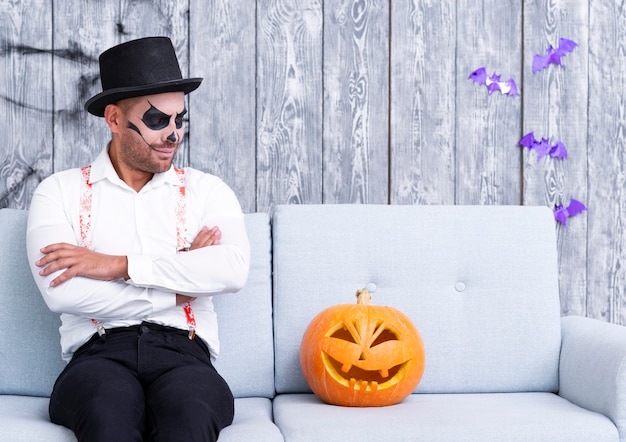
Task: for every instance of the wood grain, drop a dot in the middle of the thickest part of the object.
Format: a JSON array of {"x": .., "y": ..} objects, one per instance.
[
  {"x": 487, "y": 126},
  {"x": 222, "y": 111},
  {"x": 555, "y": 107},
  {"x": 80, "y": 36},
  {"x": 289, "y": 102},
  {"x": 356, "y": 91},
  {"x": 423, "y": 89},
  {"x": 25, "y": 100},
  {"x": 606, "y": 157}
]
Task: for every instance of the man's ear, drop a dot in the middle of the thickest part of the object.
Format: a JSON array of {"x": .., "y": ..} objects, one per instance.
[{"x": 113, "y": 116}]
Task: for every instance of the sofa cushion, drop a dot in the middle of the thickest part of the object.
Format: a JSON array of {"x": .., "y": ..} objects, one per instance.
[
  {"x": 479, "y": 283},
  {"x": 25, "y": 419},
  {"x": 29, "y": 332},
  {"x": 253, "y": 422},
  {"x": 512, "y": 417}
]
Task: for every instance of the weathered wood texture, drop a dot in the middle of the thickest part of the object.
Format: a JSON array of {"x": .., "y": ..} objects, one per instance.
[
  {"x": 353, "y": 101},
  {"x": 555, "y": 107},
  {"x": 423, "y": 90},
  {"x": 289, "y": 102},
  {"x": 606, "y": 159},
  {"x": 356, "y": 91},
  {"x": 25, "y": 99},
  {"x": 223, "y": 137},
  {"x": 487, "y": 126}
]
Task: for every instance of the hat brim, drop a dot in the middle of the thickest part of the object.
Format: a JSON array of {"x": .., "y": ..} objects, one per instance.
[{"x": 96, "y": 104}]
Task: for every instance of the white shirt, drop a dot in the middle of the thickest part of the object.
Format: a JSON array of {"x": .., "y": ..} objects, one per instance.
[{"x": 142, "y": 226}]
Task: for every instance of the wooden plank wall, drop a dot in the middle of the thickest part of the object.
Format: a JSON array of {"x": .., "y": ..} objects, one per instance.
[{"x": 352, "y": 101}]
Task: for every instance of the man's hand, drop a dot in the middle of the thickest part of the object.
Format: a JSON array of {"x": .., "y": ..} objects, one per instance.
[
  {"x": 206, "y": 237},
  {"x": 80, "y": 261}
]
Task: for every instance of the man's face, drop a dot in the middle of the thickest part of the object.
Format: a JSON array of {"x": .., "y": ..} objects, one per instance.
[{"x": 154, "y": 131}]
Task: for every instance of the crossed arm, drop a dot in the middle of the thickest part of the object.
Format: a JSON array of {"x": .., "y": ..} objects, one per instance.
[{"x": 80, "y": 261}]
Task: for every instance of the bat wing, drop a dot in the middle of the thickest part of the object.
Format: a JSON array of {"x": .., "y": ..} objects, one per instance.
[
  {"x": 540, "y": 62},
  {"x": 479, "y": 76},
  {"x": 575, "y": 207},
  {"x": 542, "y": 148},
  {"x": 566, "y": 46},
  {"x": 528, "y": 140},
  {"x": 558, "y": 150},
  {"x": 560, "y": 214},
  {"x": 510, "y": 83},
  {"x": 494, "y": 86},
  {"x": 493, "y": 83}
]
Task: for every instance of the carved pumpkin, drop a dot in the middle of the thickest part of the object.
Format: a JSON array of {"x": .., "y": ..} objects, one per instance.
[{"x": 362, "y": 355}]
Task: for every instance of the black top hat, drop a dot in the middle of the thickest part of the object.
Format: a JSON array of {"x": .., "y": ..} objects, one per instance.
[{"x": 139, "y": 67}]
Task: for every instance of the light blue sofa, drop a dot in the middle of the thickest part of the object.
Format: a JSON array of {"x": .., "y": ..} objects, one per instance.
[{"x": 480, "y": 284}]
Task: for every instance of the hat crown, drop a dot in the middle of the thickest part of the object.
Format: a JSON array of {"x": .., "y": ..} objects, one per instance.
[
  {"x": 139, "y": 67},
  {"x": 137, "y": 63}
]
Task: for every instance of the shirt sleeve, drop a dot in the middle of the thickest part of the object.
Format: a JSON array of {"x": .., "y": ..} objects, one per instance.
[
  {"x": 209, "y": 270},
  {"x": 49, "y": 222}
]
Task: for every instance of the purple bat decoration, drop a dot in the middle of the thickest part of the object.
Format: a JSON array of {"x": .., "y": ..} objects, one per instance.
[
  {"x": 543, "y": 147},
  {"x": 562, "y": 213},
  {"x": 493, "y": 82},
  {"x": 553, "y": 55}
]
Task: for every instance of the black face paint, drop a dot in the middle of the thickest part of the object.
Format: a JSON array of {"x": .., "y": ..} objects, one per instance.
[
  {"x": 173, "y": 137},
  {"x": 155, "y": 119},
  {"x": 136, "y": 129}
]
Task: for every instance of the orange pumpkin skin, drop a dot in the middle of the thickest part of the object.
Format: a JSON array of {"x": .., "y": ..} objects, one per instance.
[{"x": 362, "y": 355}]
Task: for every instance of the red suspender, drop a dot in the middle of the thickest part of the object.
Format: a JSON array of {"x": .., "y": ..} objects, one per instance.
[
  {"x": 84, "y": 210},
  {"x": 179, "y": 211},
  {"x": 181, "y": 234},
  {"x": 84, "y": 216}
]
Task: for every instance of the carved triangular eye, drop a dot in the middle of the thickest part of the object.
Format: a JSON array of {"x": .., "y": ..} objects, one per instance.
[
  {"x": 385, "y": 336},
  {"x": 343, "y": 334}
]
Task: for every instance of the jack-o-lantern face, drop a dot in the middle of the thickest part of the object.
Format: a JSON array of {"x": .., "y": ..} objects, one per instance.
[{"x": 362, "y": 355}]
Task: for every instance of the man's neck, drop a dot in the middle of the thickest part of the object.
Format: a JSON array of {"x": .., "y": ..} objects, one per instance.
[{"x": 135, "y": 179}]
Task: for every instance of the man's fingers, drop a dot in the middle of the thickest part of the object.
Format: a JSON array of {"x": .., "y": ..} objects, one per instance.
[
  {"x": 55, "y": 252},
  {"x": 206, "y": 237},
  {"x": 65, "y": 276},
  {"x": 214, "y": 239},
  {"x": 79, "y": 261}
]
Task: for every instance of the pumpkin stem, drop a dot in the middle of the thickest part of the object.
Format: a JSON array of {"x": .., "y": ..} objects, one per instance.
[{"x": 363, "y": 296}]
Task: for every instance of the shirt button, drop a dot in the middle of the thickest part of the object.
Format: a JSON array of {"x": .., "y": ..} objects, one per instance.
[{"x": 459, "y": 286}]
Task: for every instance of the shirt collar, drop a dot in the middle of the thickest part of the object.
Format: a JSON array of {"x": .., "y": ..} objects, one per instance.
[{"x": 102, "y": 168}]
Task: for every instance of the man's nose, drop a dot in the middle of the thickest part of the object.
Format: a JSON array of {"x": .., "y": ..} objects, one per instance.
[{"x": 173, "y": 137}]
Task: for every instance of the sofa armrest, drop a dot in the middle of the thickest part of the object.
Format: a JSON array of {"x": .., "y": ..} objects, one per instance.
[{"x": 592, "y": 368}]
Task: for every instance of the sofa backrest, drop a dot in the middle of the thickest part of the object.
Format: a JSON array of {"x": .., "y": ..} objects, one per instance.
[
  {"x": 479, "y": 283},
  {"x": 246, "y": 358},
  {"x": 30, "y": 352}
]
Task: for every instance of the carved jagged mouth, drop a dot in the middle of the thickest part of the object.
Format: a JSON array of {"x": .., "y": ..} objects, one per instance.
[{"x": 359, "y": 379}]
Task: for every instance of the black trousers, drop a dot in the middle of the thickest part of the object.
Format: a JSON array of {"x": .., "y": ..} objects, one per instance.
[{"x": 142, "y": 383}]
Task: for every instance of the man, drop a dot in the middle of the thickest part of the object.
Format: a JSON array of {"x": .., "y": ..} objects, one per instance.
[{"x": 129, "y": 251}]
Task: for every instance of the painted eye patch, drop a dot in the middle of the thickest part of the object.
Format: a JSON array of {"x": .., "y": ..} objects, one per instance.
[{"x": 155, "y": 119}]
